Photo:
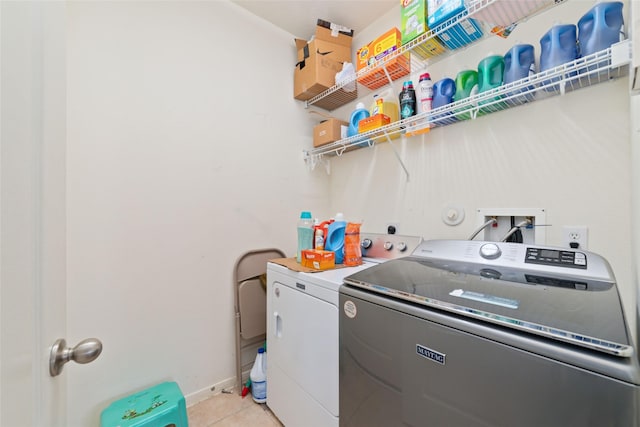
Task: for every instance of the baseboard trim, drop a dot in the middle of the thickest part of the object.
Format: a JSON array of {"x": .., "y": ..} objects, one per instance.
[{"x": 227, "y": 385}]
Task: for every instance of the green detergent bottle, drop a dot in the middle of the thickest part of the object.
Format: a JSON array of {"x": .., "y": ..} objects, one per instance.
[
  {"x": 466, "y": 86},
  {"x": 490, "y": 74}
]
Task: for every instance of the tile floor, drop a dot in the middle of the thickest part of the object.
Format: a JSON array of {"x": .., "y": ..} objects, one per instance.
[{"x": 231, "y": 410}]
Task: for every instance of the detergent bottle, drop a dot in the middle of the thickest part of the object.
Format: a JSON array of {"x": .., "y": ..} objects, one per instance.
[
  {"x": 305, "y": 234},
  {"x": 520, "y": 63},
  {"x": 558, "y": 46},
  {"x": 443, "y": 93},
  {"x": 407, "y": 100},
  {"x": 424, "y": 100},
  {"x": 335, "y": 237},
  {"x": 258, "y": 376},
  {"x": 490, "y": 75},
  {"x": 358, "y": 114},
  {"x": 389, "y": 105},
  {"x": 598, "y": 29},
  {"x": 466, "y": 86},
  {"x": 352, "y": 248}
]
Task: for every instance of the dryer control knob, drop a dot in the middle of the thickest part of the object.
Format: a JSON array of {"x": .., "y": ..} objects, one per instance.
[
  {"x": 388, "y": 245},
  {"x": 366, "y": 243},
  {"x": 402, "y": 246},
  {"x": 490, "y": 251}
]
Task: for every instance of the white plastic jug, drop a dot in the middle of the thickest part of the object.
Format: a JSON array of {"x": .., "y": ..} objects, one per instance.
[{"x": 258, "y": 377}]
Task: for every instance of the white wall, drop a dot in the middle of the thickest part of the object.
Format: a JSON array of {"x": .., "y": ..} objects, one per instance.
[
  {"x": 184, "y": 151},
  {"x": 569, "y": 155}
]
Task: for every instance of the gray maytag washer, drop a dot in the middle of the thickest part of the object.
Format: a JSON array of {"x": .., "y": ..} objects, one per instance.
[{"x": 468, "y": 333}]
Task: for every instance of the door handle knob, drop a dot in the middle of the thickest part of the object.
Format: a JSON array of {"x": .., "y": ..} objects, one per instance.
[{"x": 85, "y": 351}]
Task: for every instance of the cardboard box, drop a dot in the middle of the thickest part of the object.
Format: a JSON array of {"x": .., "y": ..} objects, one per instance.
[
  {"x": 317, "y": 259},
  {"x": 328, "y": 131},
  {"x": 376, "y": 52},
  {"x": 461, "y": 34},
  {"x": 334, "y": 33},
  {"x": 319, "y": 60},
  {"x": 413, "y": 23}
]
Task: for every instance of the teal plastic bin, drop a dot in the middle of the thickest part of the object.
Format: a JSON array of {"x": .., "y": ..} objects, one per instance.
[{"x": 159, "y": 406}]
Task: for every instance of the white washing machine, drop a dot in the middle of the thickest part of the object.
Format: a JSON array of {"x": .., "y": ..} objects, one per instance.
[{"x": 302, "y": 334}]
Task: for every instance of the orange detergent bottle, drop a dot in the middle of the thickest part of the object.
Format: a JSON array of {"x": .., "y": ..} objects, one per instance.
[{"x": 352, "y": 251}]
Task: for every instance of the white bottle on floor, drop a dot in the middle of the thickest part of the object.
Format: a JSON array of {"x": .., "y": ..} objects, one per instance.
[{"x": 258, "y": 377}]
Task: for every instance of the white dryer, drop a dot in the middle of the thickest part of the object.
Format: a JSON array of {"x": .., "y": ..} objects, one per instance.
[{"x": 302, "y": 334}]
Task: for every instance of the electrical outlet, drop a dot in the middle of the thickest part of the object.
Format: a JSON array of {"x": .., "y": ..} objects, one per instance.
[{"x": 575, "y": 234}]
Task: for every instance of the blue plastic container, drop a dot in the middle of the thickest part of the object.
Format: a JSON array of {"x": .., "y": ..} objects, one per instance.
[
  {"x": 520, "y": 63},
  {"x": 335, "y": 238},
  {"x": 558, "y": 46},
  {"x": 443, "y": 93},
  {"x": 461, "y": 34},
  {"x": 600, "y": 27},
  {"x": 358, "y": 114}
]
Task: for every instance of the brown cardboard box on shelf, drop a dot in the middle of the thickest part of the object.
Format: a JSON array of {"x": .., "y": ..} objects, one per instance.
[
  {"x": 334, "y": 33},
  {"x": 319, "y": 60},
  {"x": 328, "y": 130}
]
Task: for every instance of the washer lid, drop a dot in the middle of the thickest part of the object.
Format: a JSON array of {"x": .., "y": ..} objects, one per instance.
[{"x": 581, "y": 311}]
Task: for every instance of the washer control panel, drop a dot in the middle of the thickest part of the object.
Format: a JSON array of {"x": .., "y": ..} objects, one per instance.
[
  {"x": 556, "y": 257},
  {"x": 511, "y": 260},
  {"x": 490, "y": 251}
]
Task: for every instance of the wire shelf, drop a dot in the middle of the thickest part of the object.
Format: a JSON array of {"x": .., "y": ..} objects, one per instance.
[
  {"x": 599, "y": 67},
  {"x": 429, "y": 48}
]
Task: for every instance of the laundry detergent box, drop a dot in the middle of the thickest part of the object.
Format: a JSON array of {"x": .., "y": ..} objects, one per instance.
[
  {"x": 318, "y": 259},
  {"x": 413, "y": 23},
  {"x": 320, "y": 59},
  {"x": 383, "y": 49},
  {"x": 458, "y": 35}
]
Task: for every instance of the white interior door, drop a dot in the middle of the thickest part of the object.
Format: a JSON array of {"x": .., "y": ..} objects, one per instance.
[{"x": 33, "y": 211}]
